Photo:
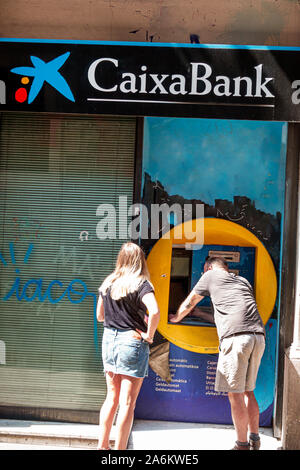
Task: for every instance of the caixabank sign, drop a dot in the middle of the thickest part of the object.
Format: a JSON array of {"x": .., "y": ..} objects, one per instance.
[{"x": 187, "y": 80}]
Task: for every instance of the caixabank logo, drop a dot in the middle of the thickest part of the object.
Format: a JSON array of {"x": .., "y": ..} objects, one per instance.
[
  {"x": 198, "y": 81},
  {"x": 42, "y": 72}
]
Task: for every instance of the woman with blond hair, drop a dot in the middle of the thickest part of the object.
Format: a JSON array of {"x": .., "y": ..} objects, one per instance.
[{"x": 125, "y": 296}]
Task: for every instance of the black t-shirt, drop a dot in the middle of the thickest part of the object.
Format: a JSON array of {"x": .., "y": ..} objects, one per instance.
[{"x": 126, "y": 313}]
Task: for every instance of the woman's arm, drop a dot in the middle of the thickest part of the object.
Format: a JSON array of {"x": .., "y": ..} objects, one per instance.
[
  {"x": 100, "y": 309},
  {"x": 150, "y": 302}
]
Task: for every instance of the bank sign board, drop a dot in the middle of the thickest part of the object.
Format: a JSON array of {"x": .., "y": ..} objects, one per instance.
[{"x": 150, "y": 79}]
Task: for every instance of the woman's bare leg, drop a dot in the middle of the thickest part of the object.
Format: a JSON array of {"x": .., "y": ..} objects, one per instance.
[
  {"x": 109, "y": 408},
  {"x": 130, "y": 388}
]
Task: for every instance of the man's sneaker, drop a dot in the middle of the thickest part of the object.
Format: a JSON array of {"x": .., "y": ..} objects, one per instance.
[
  {"x": 241, "y": 447},
  {"x": 254, "y": 445}
]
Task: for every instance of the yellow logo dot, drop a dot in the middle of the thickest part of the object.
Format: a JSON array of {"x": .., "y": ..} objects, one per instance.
[{"x": 25, "y": 80}]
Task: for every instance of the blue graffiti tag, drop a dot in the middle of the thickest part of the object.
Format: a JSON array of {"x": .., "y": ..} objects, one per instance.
[{"x": 74, "y": 295}]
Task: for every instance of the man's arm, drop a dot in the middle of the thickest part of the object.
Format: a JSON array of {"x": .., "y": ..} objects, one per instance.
[{"x": 186, "y": 307}]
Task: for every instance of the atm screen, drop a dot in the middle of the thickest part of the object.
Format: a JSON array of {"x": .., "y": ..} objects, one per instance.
[
  {"x": 180, "y": 277},
  {"x": 180, "y": 287}
]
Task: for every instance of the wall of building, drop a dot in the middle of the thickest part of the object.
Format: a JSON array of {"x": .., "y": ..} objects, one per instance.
[
  {"x": 268, "y": 22},
  {"x": 291, "y": 404}
]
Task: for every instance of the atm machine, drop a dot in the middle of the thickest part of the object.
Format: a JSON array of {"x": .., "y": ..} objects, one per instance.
[{"x": 175, "y": 267}]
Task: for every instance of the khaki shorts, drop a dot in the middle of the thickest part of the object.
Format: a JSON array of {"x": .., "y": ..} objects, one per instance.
[{"x": 238, "y": 363}]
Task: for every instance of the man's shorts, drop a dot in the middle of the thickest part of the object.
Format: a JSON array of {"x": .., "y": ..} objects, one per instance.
[{"x": 238, "y": 363}]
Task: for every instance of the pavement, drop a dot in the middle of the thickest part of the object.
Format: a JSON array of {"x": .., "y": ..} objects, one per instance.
[
  {"x": 145, "y": 435},
  {"x": 166, "y": 435},
  {"x": 47, "y": 435}
]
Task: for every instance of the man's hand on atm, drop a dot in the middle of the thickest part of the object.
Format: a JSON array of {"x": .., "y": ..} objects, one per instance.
[
  {"x": 173, "y": 318},
  {"x": 205, "y": 315},
  {"x": 186, "y": 307}
]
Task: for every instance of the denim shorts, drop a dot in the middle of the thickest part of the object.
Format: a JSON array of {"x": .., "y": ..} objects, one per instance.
[{"x": 122, "y": 353}]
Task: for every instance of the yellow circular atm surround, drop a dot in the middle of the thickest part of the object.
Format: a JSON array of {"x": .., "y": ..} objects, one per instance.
[{"x": 204, "y": 339}]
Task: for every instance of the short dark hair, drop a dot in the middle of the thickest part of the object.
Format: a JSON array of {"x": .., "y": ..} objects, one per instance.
[{"x": 216, "y": 260}]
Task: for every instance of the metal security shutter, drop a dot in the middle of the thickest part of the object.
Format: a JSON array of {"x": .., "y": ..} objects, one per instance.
[{"x": 55, "y": 171}]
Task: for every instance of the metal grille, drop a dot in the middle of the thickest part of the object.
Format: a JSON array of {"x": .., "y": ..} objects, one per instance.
[{"x": 54, "y": 173}]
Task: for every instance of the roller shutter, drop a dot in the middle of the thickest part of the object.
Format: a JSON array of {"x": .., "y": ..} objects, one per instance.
[{"x": 55, "y": 172}]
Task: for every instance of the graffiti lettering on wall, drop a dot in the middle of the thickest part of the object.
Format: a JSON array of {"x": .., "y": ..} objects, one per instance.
[
  {"x": 35, "y": 289},
  {"x": 70, "y": 257},
  {"x": 26, "y": 228}
]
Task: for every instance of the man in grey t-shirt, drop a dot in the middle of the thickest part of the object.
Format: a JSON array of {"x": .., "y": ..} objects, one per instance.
[{"x": 242, "y": 342}]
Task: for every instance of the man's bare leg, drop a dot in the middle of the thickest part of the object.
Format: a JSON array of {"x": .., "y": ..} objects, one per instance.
[
  {"x": 239, "y": 415},
  {"x": 253, "y": 420},
  {"x": 253, "y": 412}
]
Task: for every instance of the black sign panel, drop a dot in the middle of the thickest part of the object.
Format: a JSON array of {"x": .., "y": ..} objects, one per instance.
[{"x": 238, "y": 82}]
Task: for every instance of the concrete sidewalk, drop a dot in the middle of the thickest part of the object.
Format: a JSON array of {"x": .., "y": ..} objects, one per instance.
[
  {"x": 145, "y": 435},
  {"x": 18, "y": 434},
  {"x": 166, "y": 435}
]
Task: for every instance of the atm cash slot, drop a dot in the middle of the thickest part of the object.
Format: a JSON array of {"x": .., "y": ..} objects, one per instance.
[{"x": 229, "y": 256}]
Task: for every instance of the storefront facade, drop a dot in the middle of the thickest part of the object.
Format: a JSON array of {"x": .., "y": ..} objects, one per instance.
[
  {"x": 51, "y": 189},
  {"x": 89, "y": 126}
]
